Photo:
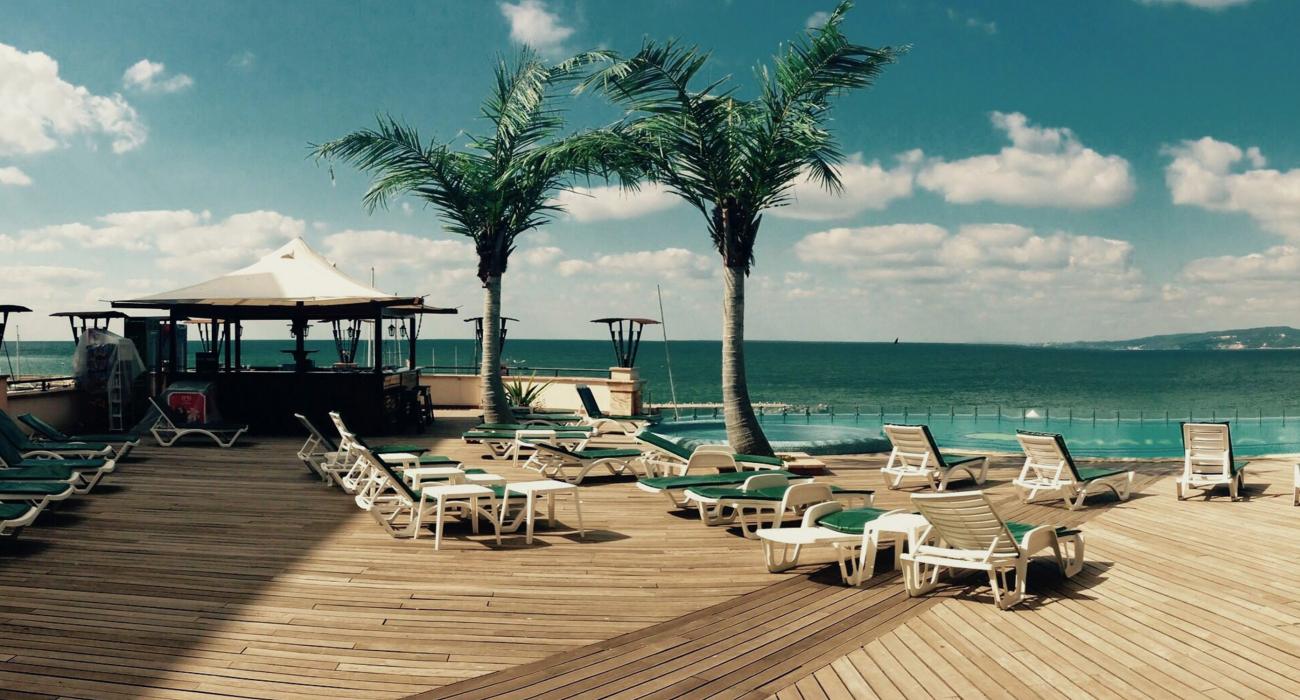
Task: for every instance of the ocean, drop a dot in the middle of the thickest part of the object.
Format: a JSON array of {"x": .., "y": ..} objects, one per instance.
[{"x": 868, "y": 377}]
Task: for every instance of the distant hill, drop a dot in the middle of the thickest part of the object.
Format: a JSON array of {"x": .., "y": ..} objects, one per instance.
[{"x": 1268, "y": 338}]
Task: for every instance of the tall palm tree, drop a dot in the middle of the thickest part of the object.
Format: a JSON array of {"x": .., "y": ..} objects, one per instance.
[
  {"x": 732, "y": 159},
  {"x": 499, "y": 186}
]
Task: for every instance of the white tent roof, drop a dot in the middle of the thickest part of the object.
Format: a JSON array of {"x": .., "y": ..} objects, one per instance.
[{"x": 288, "y": 276}]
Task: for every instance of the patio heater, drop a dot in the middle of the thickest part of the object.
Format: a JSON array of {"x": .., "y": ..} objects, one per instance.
[
  {"x": 625, "y": 385},
  {"x": 5, "y": 310},
  {"x": 478, "y": 336},
  {"x": 625, "y": 335}
]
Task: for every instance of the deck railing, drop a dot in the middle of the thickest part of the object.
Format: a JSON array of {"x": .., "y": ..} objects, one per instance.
[
  {"x": 993, "y": 413},
  {"x": 22, "y": 385}
]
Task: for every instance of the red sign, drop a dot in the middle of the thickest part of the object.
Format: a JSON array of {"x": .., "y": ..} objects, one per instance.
[{"x": 192, "y": 405}]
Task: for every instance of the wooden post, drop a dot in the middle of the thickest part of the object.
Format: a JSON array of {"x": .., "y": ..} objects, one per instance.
[
  {"x": 227, "y": 345},
  {"x": 239, "y": 345},
  {"x": 410, "y": 364},
  {"x": 379, "y": 341}
]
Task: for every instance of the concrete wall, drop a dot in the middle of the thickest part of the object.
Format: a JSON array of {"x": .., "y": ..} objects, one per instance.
[
  {"x": 58, "y": 407},
  {"x": 618, "y": 395}
]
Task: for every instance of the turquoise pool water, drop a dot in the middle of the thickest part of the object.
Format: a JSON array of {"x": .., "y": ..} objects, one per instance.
[{"x": 1123, "y": 438}]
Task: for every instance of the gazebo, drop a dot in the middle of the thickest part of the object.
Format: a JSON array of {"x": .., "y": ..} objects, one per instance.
[{"x": 296, "y": 284}]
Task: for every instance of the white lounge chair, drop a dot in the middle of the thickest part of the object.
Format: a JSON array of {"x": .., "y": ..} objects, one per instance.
[
  {"x": 318, "y": 453},
  {"x": 167, "y": 429},
  {"x": 1208, "y": 460},
  {"x": 402, "y": 510},
  {"x": 604, "y": 424},
  {"x": 22, "y": 501},
  {"x": 1050, "y": 469},
  {"x": 916, "y": 456},
  {"x": 663, "y": 457},
  {"x": 556, "y": 462},
  {"x": 971, "y": 537},
  {"x": 767, "y": 498},
  {"x": 823, "y": 524}
]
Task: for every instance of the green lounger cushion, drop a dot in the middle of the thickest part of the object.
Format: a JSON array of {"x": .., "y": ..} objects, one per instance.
[
  {"x": 850, "y": 522},
  {"x": 760, "y": 459},
  {"x": 607, "y": 453},
  {"x": 52, "y": 433},
  {"x": 389, "y": 449},
  {"x": 42, "y": 470},
  {"x": 767, "y": 493},
  {"x": 954, "y": 460},
  {"x": 1019, "y": 530},
  {"x": 13, "y": 511},
  {"x": 660, "y": 442},
  {"x": 1092, "y": 473},
  {"x": 670, "y": 483},
  {"x": 553, "y": 417},
  {"x": 510, "y": 427},
  {"x": 510, "y": 435},
  {"x": 30, "y": 446},
  {"x": 436, "y": 460},
  {"x": 37, "y": 488}
]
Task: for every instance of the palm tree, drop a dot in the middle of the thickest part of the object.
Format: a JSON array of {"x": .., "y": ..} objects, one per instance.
[
  {"x": 498, "y": 187},
  {"x": 732, "y": 159}
]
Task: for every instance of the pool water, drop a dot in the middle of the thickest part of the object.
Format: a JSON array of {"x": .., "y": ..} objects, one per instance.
[{"x": 1124, "y": 438}]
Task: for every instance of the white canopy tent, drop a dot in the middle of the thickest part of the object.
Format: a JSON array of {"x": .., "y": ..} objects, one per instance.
[{"x": 293, "y": 275}]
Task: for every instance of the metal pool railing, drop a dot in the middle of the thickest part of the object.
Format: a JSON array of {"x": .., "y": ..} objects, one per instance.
[{"x": 995, "y": 413}]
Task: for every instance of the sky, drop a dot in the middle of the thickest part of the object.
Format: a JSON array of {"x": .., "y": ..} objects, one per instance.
[{"x": 1030, "y": 171}]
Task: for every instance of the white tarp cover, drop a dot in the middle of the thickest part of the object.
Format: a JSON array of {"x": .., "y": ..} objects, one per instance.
[
  {"x": 293, "y": 273},
  {"x": 103, "y": 359}
]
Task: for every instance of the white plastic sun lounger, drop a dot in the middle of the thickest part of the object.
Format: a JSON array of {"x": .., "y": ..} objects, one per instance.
[
  {"x": 767, "y": 498},
  {"x": 167, "y": 431},
  {"x": 848, "y": 530},
  {"x": 16, "y": 516},
  {"x": 563, "y": 464},
  {"x": 22, "y": 501},
  {"x": 916, "y": 456},
  {"x": 393, "y": 501},
  {"x": 663, "y": 457},
  {"x": 318, "y": 453},
  {"x": 1050, "y": 469},
  {"x": 971, "y": 537},
  {"x": 1208, "y": 461}
]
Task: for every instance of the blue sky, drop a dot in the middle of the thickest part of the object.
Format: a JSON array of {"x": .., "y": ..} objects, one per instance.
[{"x": 1030, "y": 171}]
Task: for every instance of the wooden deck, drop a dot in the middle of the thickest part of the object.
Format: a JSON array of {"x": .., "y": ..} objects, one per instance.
[{"x": 198, "y": 572}]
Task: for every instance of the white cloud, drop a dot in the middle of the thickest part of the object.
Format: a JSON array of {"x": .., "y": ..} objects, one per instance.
[
  {"x": 995, "y": 259},
  {"x": 973, "y": 22},
  {"x": 867, "y": 186},
  {"x": 817, "y": 19},
  {"x": 1236, "y": 291},
  {"x": 244, "y": 60},
  {"x": 1200, "y": 175},
  {"x": 182, "y": 240},
  {"x": 1042, "y": 167},
  {"x": 151, "y": 76},
  {"x": 1202, "y": 4},
  {"x": 533, "y": 24},
  {"x": 15, "y": 177},
  {"x": 39, "y": 110},
  {"x": 391, "y": 250},
  {"x": 871, "y": 245},
  {"x": 669, "y": 263},
  {"x": 611, "y": 202},
  {"x": 540, "y": 256}
]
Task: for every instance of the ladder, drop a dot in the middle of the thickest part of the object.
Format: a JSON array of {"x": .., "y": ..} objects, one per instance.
[{"x": 118, "y": 395}]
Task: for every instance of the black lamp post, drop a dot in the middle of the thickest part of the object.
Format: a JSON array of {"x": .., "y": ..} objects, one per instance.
[{"x": 625, "y": 335}]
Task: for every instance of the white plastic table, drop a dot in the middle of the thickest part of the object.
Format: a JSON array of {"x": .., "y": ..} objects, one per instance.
[
  {"x": 896, "y": 528},
  {"x": 530, "y": 490},
  {"x": 416, "y": 476},
  {"x": 459, "y": 494}
]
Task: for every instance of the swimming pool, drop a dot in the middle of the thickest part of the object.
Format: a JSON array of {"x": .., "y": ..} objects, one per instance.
[{"x": 1113, "y": 438}]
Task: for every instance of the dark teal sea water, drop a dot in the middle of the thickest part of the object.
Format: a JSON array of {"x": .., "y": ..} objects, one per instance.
[{"x": 869, "y": 375}]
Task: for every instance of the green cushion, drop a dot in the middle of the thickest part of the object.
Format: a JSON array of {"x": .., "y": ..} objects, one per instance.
[
  {"x": 954, "y": 460},
  {"x": 30, "y": 446},
  {"x": 1093, "y": 473},
  {"x": 660, "y": 442},
  {"x": 37, "y": 472},
  {"x": 766, "y": 493},
  {"x": 13, "y": 511},
  {"x": 760, "y": 459},
  {"x": 510, "y": 435},
  {"x": 436, "y": 460},
  {"x": 511, "y": 427},
  {"x": 1019, "y": 530},
  {"x": 670, "y": 483},
  {"x": 606, "y": 454},
  {"x": 1237, "y": 466},
  {"x": 388, "y": 449},
  {"x": 850, "y": 522},
  {"x": 553, "y": 417},
  {"x": 39, "y": 488}
]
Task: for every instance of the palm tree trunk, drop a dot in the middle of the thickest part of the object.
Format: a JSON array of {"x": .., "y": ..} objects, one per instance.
[
  {"x": 743, "y": 430},
  {"x": 496, "y": 408}
]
